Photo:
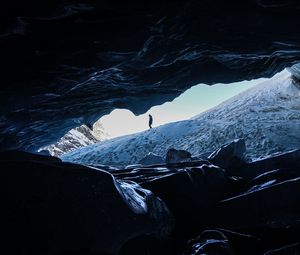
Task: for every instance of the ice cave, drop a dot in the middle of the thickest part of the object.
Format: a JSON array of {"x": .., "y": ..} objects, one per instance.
[{"x": 221, "y": 177}]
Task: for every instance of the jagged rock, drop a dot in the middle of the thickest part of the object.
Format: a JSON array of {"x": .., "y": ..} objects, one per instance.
[
  {"x": 272, "y": 206},
  {"x": 281, "y": 160},
  {"x": 177, "y": 156},
  {"x": 230, "y": 155},
  {"x": 292, "y": 249},
  {"x": 151, "y": 159},
  {"x": 190, "y": 191},
  {"x": 272, "y": 177},
  {"x": 210, "y": 242},
  {"x": 49, "y": 207}
]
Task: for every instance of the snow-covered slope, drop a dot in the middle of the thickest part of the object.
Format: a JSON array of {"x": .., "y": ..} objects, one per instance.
[
  {"x": 77, "y": 138},
  {"x": 267, "y": 116}
]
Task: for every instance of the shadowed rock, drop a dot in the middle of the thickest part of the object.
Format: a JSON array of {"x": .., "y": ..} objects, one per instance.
[
  {"x": 177, "y": 156},
  {"x": 273, "y": 206},
  {"x": 292, "y": 249},
  {"x": 229, "y": 156},
  {"x": 190, "y": 193},
  {"x": 50, "y": 207},
  {"x": 273, "y": 162}
]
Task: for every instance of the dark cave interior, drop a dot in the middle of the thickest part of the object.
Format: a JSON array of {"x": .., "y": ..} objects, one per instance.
[{"x": 67, "y": 63}]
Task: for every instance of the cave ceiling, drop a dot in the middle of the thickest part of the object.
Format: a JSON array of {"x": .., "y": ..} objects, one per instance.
[{"x": 65, "y": 63}]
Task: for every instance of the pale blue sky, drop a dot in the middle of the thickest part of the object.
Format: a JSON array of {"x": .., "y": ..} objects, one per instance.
[{"x": 195, "y": 100}]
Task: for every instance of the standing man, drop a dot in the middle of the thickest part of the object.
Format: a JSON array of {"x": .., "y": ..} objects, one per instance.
[{"x": 150, "y": 121}]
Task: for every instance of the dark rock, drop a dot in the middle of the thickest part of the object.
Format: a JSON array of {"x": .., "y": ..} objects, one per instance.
[
  {"x": 210, "y": 242},
  {"x": 273, "y": 206},
  {"x": 273, "y": 162},
  {"x": 151, "y": 159},
  {"x": 19, "y": 156},
  {"x": 272, "y": 177},
  {"x": 177, "y": 156},
  {"x": 242, "y": 243},
  {"x": 190, "y": 193},
  {"x": 229, "y": 156},
  {"x": 292, "y": 249},
  {"x": 149, "y": 245},
  {"x": 49, "y": 207}
]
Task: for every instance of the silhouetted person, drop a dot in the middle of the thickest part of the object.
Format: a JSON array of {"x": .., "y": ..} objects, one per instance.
[{"x": 150, "y": 121}]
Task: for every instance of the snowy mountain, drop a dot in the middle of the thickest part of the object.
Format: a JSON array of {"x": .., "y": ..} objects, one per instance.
[
  {"x": 77, "y": 138},
  {"x": 267, "y": 116}
]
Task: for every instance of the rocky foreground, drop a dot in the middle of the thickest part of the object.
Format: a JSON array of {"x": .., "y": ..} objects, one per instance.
[{"x": 217, "y": 205}]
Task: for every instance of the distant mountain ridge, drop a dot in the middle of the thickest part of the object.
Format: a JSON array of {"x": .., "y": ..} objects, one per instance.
[
  {"x": 77, "y": 138},
  {"x": 267, "y": 116}
]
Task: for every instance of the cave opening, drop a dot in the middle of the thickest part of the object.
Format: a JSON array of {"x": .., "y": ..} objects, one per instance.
[
  {"x": 215, "y": 178},
  {"x": 121, "y": 122}
]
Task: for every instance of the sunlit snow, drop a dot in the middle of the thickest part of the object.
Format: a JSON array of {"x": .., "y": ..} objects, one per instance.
[{"x": 193, "y": 101}]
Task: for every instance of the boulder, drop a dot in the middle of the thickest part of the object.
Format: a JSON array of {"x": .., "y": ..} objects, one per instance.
[
  {"x": 51, "y": 207},
  {"x": 177, "y": 156},
  {"x": 151, "y": 159},
  {"x": 229, "y": 156}
]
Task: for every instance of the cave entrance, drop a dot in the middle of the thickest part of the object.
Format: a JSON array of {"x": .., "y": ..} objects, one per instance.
[{"x": 120, "y": 122}]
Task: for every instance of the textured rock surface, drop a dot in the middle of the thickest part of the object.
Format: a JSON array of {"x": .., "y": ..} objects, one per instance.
[
  {"x": 66, "y": 63},
  {"x": 177, "y": 156},
  {"x": 229, "y": 154}
]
